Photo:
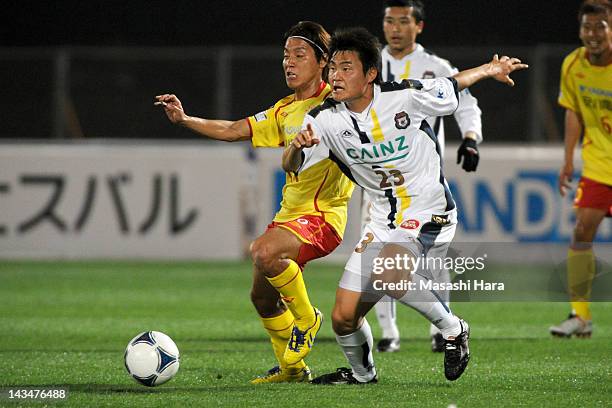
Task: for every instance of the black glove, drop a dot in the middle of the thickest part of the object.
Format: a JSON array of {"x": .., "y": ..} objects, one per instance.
[{"x": 469, "y": 151}]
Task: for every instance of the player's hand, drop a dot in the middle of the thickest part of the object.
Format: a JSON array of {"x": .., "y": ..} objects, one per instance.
[
  {"x": 501, "y": 68},
  {"x": 306, "y": 138},
  {"x": 469, "y": 152},
  {"x": 172, "y": 106},
  {"x": 565, "y": 178}
]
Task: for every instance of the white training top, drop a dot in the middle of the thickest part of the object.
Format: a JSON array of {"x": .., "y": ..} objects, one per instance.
[
  {"x": 423, "y": 64},
  {"x": 389, "y": 149}
]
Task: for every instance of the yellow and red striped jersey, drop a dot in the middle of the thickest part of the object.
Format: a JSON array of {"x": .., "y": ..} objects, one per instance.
[
  {"x": 321, "y": 190},
  {"x": 587, "y": 90}
]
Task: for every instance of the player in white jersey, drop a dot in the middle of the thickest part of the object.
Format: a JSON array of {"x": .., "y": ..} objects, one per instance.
[
  {"x": 378, "y": 136},
  {"x": 404, "y": 58}
]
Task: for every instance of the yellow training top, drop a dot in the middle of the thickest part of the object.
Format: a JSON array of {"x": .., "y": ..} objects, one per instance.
[
  {"x": 587, "y": 90},
  {"x": 321, "y": 190}
]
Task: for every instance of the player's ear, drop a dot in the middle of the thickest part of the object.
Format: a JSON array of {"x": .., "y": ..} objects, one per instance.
[
  {"x": 371, "y": 74},
  {"x": 420, "y": 25},
  {"x": 323, "y": 61}
]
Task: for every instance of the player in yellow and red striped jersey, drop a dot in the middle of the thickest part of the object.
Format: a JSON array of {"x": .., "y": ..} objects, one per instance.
[
  {"x": 313, "y": 214},
  {"x": 586, "y": 95}
]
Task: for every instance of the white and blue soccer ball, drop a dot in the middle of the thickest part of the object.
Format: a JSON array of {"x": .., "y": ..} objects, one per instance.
[{"x": 152, "y": 358}]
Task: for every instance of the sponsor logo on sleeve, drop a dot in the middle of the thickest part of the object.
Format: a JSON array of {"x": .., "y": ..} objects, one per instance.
[
  {"x": 410, "y": 224},
  {"x": 260, "y": 116},
  {"x": 440, "y": 219}
]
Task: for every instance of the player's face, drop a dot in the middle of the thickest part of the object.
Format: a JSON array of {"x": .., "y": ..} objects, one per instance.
[
  {"x": 596, "y": 34},
  {"x": 346, "y": 76},
  {"x": 300, "y": 64},
  {"x": 400, "y": 28}
]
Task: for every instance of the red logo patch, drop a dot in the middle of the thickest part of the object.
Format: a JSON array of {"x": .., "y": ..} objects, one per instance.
[{"x": 410, "y": 224}]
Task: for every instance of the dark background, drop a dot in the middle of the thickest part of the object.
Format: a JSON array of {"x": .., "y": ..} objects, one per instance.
[
  {"x": 223, "y": 22},
  {"x": 89, "y": 69}
]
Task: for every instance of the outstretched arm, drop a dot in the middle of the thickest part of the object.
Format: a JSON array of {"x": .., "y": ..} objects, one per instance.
[
  {"x": 498, "y": 69},
  {"x": 225, "y": 130},
  {"x": 292, "y": 156},
  {"x": 468, "y": 117}
]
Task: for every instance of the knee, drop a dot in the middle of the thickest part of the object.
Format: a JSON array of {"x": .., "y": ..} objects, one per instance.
[
  {"x": 262, "y": 254},
  {"x": 583, "y": 233},
  {"x": 579, "y": 230},
  {"x": 344, "y": 323}
]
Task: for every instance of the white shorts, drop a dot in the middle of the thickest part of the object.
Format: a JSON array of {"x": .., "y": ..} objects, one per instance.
[{"x": 425, "y": 235}]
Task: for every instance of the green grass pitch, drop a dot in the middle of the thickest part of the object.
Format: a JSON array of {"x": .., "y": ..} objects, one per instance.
[{"x": 67, "y": 324}]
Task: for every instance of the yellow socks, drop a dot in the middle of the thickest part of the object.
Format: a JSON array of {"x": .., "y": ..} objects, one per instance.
[
  {"x": 279, "y": 329},
  {"x": 290, "y": 285},
  {"x": 580, "y": 274}
]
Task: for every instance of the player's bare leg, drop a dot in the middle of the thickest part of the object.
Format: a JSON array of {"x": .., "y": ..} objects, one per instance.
[
  {"x": 580, "y": 274},
  {"x": 265, "y": 297},
  {"x": 274, "y": 255},
  {"x": 271, "y": 251}
]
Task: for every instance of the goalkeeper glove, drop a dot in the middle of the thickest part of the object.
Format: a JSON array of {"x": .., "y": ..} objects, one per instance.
[{"x": 469, "y": 152}]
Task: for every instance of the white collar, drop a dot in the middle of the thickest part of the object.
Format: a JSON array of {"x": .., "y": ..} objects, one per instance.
[
  {"x": 363, "y": 115},
  {"x": 418, "y": 48}
]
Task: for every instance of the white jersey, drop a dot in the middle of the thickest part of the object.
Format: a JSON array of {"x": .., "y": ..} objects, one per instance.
[
  {"x": 389, "y": 149},
  {"x": 423, "y": 64}
]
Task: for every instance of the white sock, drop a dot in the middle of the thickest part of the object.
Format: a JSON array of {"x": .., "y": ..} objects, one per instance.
[
  {"x": 444, "y": 276},
  {"x": 385, "y": 312},
  {"x": 432, "y": 308},
  {"x": 433, "y": 330},
  {"x": 357, "y": 348}
]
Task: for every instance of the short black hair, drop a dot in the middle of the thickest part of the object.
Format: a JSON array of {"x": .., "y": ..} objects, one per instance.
[
  {"x": 596, "y": 7},
  {"x": 361, "y": 41},
  {"x": 315, "y": 33},
  {"x": 418, "y": 9}
]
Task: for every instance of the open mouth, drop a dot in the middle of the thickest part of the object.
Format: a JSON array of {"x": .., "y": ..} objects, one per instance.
[
  {"x": 337, "y": 88},
  {"x": 290, "y": 75}
]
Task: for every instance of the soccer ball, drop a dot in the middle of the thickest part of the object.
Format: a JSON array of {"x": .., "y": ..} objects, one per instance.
[{"x": 152, "y": 358}]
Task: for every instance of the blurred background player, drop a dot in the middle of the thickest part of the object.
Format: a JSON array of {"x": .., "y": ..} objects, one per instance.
[
  {"x": 586, "y": 95},
  {"x": 312, "y": 218},
  {"x": 404, "y": 58}
]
